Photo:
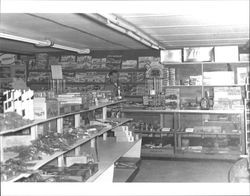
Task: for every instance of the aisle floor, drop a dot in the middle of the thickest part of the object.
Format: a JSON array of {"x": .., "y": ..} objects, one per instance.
[{"x": 183, "y": 171}]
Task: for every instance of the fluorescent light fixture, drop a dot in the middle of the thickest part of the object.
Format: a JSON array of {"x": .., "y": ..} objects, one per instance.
[
  {"x": 155, "y": 47},
  {"x": 124, "y": 27},
  {"x": 83, "y": 51},
  {"x": 116, "y": 27},
  {"x": 23, "y": 39},
  {"x": 45, "y": 43}
]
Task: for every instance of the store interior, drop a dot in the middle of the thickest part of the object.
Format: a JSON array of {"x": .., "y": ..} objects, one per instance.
[{"x": 178, "y": 110}]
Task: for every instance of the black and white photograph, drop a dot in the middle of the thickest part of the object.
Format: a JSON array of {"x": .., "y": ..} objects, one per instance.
[{"x": 124, "y": 97}]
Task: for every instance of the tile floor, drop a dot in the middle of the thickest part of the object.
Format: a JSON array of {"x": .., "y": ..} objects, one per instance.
[{"x": 183, "y": 171}]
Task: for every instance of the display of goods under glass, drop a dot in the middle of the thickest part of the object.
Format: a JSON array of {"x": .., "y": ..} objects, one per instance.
[
  {"x": 12, "y": 120},
  {"x": 75, "y": 173}
]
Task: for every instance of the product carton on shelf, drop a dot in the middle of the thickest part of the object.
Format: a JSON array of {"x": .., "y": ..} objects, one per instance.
[
  {"x": 19, "y": 101},
  {"x": 122, "y": 134},
  {"x": 45, "y": 108},
  {"x": 218, "y": 78},
  {"x": 226, "y": 53},
  {"x": 242, "y": 74},
  {"x": 226, "y": 98},
  {"x": 76, "y": 159},
  {"x": 244, "y": 57}
]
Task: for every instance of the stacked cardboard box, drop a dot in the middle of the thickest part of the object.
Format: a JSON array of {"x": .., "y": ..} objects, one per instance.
[
  {"x": 226, "y": 98},
  {"x": 122, "y": 134}
]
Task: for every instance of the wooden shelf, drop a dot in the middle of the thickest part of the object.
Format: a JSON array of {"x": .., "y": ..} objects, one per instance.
[
  {"x": 155, "y": 132},
  {"x": 193, "y": 133},
  {"x": 200, "y": 63},
  {"x": 186, "y": 111},
  {"x": 109, "y": 152},
  {"x": 47, "y": 159},
  {"x": 37, "y": 122},
  {"x": 200, "y": 86},
  {"x": 178, "y": 132},
  {"x": 90, "y": 70}
]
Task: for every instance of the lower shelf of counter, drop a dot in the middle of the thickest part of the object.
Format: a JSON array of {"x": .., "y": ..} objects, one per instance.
[
  {"x": 169, "y": 153},
  {"x": 124, "y": 175},
  {"x": 110, "y": 151}
]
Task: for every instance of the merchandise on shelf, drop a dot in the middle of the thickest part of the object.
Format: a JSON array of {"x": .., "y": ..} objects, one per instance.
[
  {"x": 39, "y": 77},
  {"x": 84, "y": 62},
  {"x": 170, "y": 56},
  {"x": 45, "y": 108},
  {"x": 98, "y": 63},
  {"x": 195, "y": 80},
  {"x": 242, "y": 74},
  {"x": 129, "y": 64},
  {"x": 218, "y": 78},
  {"x": 19, "y": 101},
  {"x": 113, "y": 61},
  {"x": 198, "y": 54},
  {"x": 244, "y": 57},
  {"x": 226, "y": 53},
  {"x": 123, "y": 134},
  {"x": 12, "y": 168},
  {"x": 227, "y": 98},
  {"x": 172, "y": 98},
  {"x": 12, "y": 120},
  {"x": 53, "y": 60},
  {"x": 145, "y": 62}
]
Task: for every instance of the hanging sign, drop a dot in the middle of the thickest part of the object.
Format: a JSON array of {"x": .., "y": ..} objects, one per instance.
[{"x": 56, "y": 72}]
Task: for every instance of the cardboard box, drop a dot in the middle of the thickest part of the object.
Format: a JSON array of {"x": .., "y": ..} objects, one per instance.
[
  {"x": 44, "y": 109},
  {"x": 242, "y": 74},
  {"x": 226, "y": 53},
  {"x": 168, "y": 56},
  {"x": 73, "y": 160},
  {"x": 244, "y": 57},
  {"x": 218, "y": 78},
  {"x": 198, "y": 54}
]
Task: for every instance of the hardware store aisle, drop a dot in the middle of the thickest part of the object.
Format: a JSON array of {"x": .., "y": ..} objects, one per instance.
[{"x": 183, "y": 171}]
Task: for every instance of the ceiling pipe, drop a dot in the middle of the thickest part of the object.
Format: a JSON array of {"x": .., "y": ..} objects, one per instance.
[
  {"x": 123, "y": 27},
  {"x": 44, "y": 43}
]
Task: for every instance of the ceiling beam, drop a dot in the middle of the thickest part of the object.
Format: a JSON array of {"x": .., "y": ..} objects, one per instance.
[
  {"x": 184, "y": 26},
  {"x": 192, "y": 34},
  {"x": 233, "y": 39}
]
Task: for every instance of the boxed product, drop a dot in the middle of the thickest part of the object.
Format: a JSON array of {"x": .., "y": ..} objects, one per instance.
[
  {"x": 207, "y": 129},
  {"x": 244, "y": 57},
  {"x": 129, "y": 64},
  {"x": 168, "y": 56},
  {"x": 242, "y": 74},
  {"x": 172, "y": 98},
  {"x": 76, "y": 159},
  {"x": 45, "y": 108},
  {"x": 232, "y": 93},
  {"x": 195, "y": 80},
  {"x": 84, "y": 61},
  {"x": 226, "y": 53},
  {"x": 218, "y": 78},
  {"x": 198, "y": 54},
  {"x": 226, "y": 98}
]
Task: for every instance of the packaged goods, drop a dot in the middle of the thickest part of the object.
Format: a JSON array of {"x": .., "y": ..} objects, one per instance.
[
  {"x": 129, "y": 64},
  {"x": 226, "y": 53},
  {"x": 218, "y": 78}
]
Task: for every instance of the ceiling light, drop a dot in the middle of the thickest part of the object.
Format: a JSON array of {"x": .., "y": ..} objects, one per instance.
[
  {"x": 23, "y": 39},
  {"x": 124, "y": 27},
  {"x": 45, "y": 43},
  {"x": 83, "y": 51}
]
